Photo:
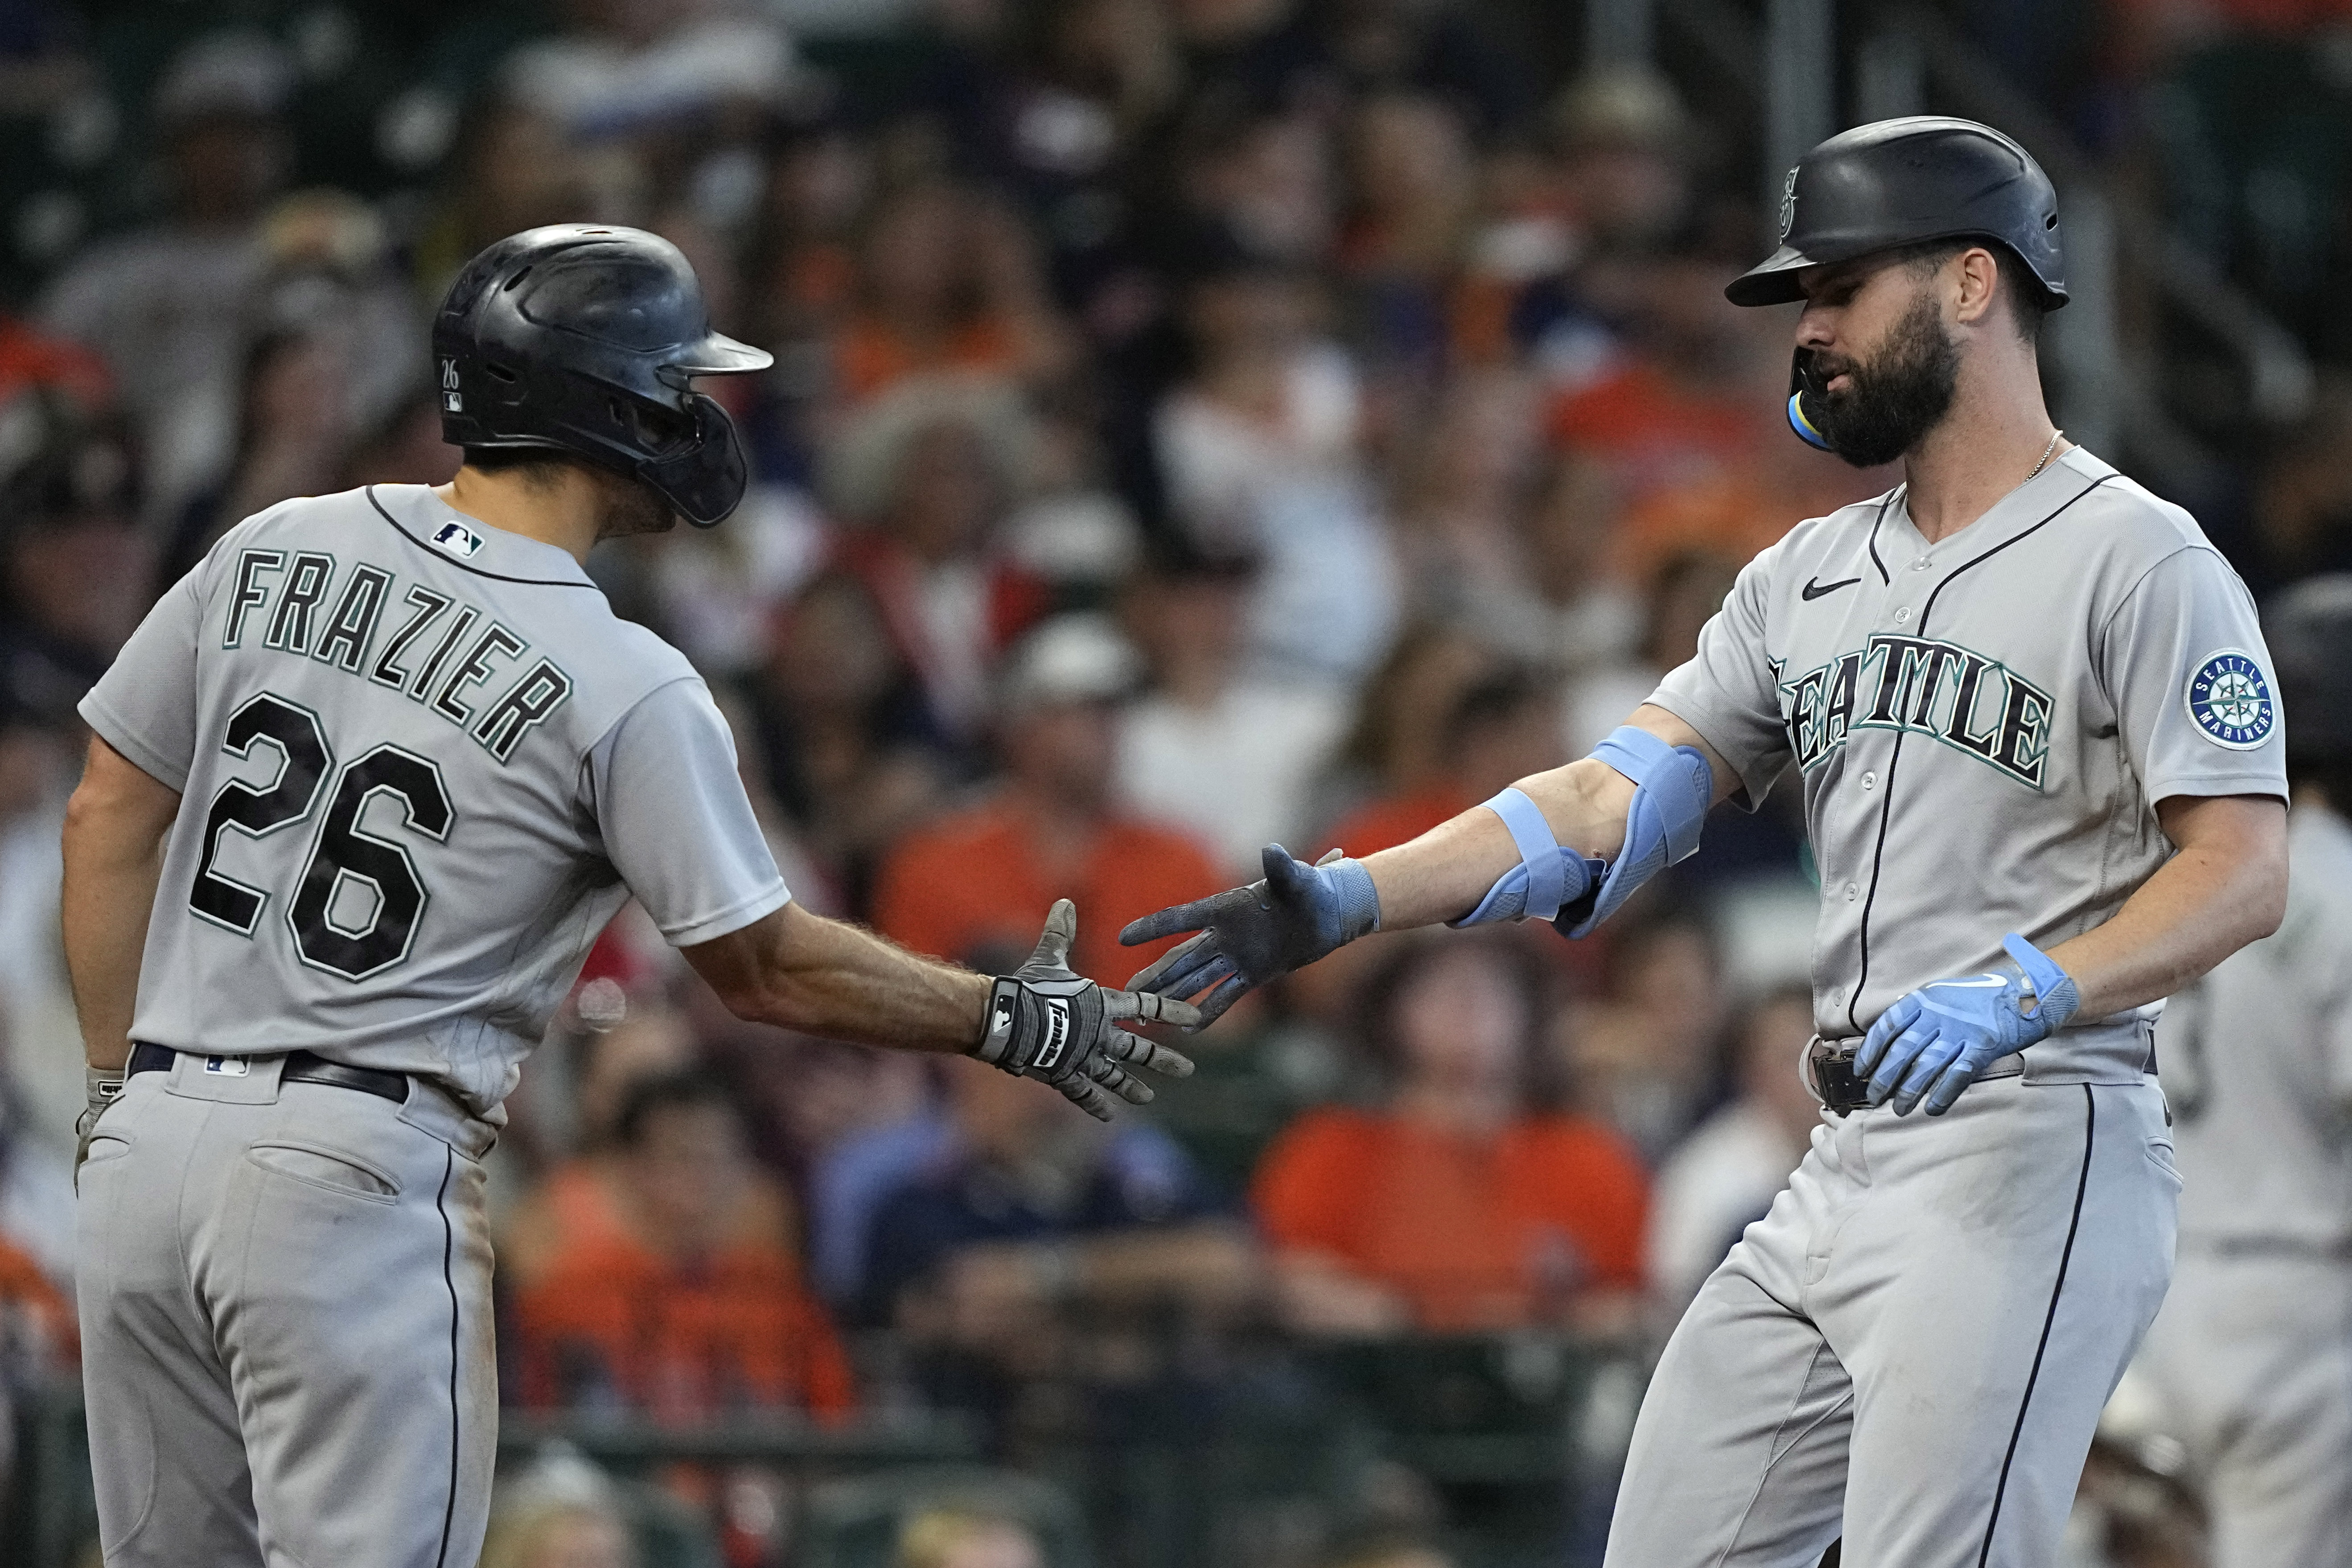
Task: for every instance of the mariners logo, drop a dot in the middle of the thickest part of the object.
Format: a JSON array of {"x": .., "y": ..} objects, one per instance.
[{"x": 2230, "y": 701}]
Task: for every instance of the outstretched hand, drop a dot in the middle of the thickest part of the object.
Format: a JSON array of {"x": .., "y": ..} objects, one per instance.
[
  {"x": 1046, "y": 1021},
  {"x": 1250, "y": 934}
]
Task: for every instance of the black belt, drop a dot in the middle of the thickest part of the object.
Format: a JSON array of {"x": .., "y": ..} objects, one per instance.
[
  {"x": 1843, "y": 1092},
  {"x": 301, "y": 1067}
]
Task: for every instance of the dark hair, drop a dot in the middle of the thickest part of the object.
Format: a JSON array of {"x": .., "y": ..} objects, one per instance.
[
  {"x": 2027, "y": 303},
  {"x": 688, "y": 1089},
  {"x": 535, "y": 465},
  {"x": 1540, "y": 1084}
]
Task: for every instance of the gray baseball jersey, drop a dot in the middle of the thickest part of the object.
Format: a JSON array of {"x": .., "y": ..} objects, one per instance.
[
  {"x": 2258, "y": 1065},
  {"x": 2252, "y": 1357},
  {"x": 422, "y": 764},
  {"x": 1984, "y": 725},
  {"x": 1912, "y": 1349}
]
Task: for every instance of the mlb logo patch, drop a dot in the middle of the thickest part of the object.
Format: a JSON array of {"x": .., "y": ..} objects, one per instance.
[
  {"x": 228, "y": 1066},
  {"x": 458, "y": 540}
]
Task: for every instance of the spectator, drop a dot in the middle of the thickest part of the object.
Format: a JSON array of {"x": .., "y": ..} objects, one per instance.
[
  {"x": 1698, "y": 389},
  {"x": 849, "y": 742},
  {"x": 1684, "y": 593},
  {"x": 1732, "y": 1166},
  {"x": 1463, "y": 485},
  {"x": 1501, "y": 730},
  {"x": 1414, "y": 191},
  {"x": 1395, "y": 741},
  {"x": 1227, "y": 754},
  {"x": 963, "y": 1538},
  {"x": 1644, "y": 1059},
  {"x": 1626, "y": 151},
  {"x": 560, "y": 1512},
  {"x": 659, "y": 1279},
  {"x": 513, "y": 168},
  {"x": 1464, "y": 1201},
  {"x": 928, "y": 475},
  {"x": 948, "y": 284},
  {"x": 294, "y": 434},
  {"x": 165, "y": 305},
  {"x": 975, "y": 886},
  {"x": 1260, "y": 448},
  {"x": 1033, "y": 1207}
]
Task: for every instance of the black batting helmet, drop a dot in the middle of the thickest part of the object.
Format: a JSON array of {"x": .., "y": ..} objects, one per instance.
[
  {"x": 586, "y": 341},
  {"x": 2309, "y": 630},
  {"x": 1899, "y": 182}
]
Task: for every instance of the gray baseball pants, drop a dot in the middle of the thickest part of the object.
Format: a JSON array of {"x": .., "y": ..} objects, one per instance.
[
  {"x": 1912, "y": 1349},
  {"x": 286, "y": 1342},
  {"x": 2252, "y": 1359}
]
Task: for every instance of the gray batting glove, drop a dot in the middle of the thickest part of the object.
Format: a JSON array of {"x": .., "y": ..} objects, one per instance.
[
  {"x": 103, "y": 1085},
  {"x": 1046, "y": 1021}
]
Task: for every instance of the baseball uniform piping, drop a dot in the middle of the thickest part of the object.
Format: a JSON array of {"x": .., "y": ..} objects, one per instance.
[
  {"x": 1883, "y": 502},
  {"x": 448, "y": 1246},
  {"x": 2050, "y": 1318},
  {"x": 461, "y": 566},
  {"x": 1886, "y": 799}
]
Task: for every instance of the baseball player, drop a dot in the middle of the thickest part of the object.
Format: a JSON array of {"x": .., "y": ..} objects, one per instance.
[
  {"x": 2031, "y": 712},
  {"x": 410, "y": 764},
  {"x": 2251, "y": 1355}
]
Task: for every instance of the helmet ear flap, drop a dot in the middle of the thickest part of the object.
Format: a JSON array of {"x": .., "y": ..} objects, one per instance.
[{"x": 1805, "y": 394}]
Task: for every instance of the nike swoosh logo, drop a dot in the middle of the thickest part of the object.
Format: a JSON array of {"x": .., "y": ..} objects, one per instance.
[{"x": 1813, "y": 590}]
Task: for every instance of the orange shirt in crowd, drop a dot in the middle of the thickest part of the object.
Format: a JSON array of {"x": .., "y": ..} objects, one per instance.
[
  {"x": 870, "y": 357},
  {"x": 676, "y": 1340},
  {"x": 1472, "y": 1233},
  {"x": 1396, "y": 819},
  {"x": 1652, "y": 433},
  {"x": 24, "y": 1289},
  {"x": 972, "y": 882}
]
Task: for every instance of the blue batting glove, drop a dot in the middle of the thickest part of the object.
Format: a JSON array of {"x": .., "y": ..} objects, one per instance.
[
  {"x": 1932, "y": 1043},
  {"x": 1250, "y": 934}
]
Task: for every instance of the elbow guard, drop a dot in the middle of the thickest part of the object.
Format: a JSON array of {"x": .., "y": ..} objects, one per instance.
[{"x": 1673, "y": 788}]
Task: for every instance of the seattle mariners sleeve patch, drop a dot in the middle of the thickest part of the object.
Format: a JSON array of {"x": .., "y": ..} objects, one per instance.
[{"x": 2230, "y": 699}]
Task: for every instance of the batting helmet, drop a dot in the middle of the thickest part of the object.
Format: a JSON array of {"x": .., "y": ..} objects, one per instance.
[
  {"x": 1899, "y": 182},
  {"x": 2309, "y": 630},
  {"x": 586, "y": 341}
]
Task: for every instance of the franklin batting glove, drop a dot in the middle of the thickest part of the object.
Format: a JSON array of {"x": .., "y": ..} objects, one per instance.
[
  {"x": 1250, "y": 934},
  {"x": 1047, "y": 1023},
  {"x": 1933, "y": 1043}
]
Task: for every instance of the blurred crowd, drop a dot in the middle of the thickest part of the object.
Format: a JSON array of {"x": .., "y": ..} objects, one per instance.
[{"x": 1196, "y": 424}]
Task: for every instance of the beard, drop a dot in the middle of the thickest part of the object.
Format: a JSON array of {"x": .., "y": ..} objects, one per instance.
[
  {"x": 1894, "y": 399},
  {"x": 628, "y": 508}
]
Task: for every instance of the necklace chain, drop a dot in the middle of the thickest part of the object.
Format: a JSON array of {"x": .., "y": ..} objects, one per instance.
[{"x": 2046, "y": 451}]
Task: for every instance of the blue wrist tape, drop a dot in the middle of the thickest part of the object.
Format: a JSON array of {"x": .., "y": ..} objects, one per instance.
[{"x": 1548, "y": 874}]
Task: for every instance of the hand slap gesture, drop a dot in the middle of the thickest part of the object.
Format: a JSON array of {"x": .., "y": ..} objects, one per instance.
[
  {"x": 1048, "y": 1022},
  {"x": 1250, "y": 934}
]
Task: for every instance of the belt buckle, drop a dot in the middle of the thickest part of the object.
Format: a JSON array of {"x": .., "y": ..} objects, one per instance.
[{"x": 1834, "y": 1081}]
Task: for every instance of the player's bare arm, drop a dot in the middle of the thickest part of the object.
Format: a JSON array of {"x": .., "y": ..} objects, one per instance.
[
  {"x": 2224, "y": 887},
  {"x": 1568, "y": 846},
  {"x": 114, "y": 854},
  {"x": 802, "y": 971},
  {"x": 113, "y": 857}
]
